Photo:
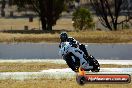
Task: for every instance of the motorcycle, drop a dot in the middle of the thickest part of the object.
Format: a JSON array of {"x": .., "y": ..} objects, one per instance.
[{"x": 73, "y": 61}]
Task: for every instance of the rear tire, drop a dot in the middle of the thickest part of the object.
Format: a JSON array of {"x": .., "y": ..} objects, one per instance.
[
  {"x": 96, "y": 67},
  {"x": 94, "y": 63}
]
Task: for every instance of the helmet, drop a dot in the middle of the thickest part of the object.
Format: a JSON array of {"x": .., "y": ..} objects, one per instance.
[{"x": 63, "y": 37}]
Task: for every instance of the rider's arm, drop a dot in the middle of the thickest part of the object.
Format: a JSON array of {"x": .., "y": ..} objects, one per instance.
[
  {"x": 73, "y": 41},
  {"x": 60, "y": 45}
]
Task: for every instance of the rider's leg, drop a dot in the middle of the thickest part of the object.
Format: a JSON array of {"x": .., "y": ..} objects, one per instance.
[
  {"x": 77, "y": 52},
  {"x": 83, "y": 48}
]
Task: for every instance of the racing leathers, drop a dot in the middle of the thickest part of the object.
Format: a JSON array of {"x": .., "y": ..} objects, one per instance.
[
  {"x": 75, "y": 43},
  {"x": 79, "y": 51}
]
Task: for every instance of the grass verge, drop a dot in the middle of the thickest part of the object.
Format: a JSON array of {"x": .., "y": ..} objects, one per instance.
[
  {"x": 48, "y": 83},
  {"x": 82, "y": 36},
  {"x": 37, "y": 66},
  {"x": 52, "y": 83},
  {"x": 28, "y": 67}
]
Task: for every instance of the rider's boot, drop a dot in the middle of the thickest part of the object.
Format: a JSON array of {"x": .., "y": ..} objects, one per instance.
[{"x": 86, "y": 66}]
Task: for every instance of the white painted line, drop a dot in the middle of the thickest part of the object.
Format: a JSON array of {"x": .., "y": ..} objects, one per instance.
[
  {"x": 118, "y": 62},
  {"x": 61, "y": 61}
]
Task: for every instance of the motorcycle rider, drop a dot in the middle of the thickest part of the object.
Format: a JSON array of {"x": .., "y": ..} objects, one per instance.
[
  {"x": 64, "y": 38},
  {"x": 74, "y": 43}
]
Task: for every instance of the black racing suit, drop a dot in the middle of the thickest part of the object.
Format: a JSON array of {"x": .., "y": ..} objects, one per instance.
[{"x": 75, "y": 43}]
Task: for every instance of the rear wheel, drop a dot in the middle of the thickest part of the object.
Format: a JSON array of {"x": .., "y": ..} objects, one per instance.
[
  {"x": 93, "y": 62},
  {"x": 96, "y": 66}
]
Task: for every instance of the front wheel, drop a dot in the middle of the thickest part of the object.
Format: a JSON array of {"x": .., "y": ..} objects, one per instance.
[{"x": 73, "y": 65}]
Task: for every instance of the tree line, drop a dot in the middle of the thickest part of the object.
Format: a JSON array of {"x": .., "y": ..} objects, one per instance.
[{"x": 49, "y": 11}]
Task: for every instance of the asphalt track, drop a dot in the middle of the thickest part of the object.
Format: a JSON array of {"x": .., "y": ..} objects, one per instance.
[
  {"x": 66, "y": 73},
  {"x": 51, "y": 50}
]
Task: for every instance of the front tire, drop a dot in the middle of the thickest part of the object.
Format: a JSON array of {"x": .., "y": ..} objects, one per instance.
[
  {"x": 74, "y": 65},
  {"x": 71, "y": 64}
]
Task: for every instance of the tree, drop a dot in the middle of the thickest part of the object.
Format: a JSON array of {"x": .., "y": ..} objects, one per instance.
[
  {"x": 82, "y": 19},
  {"x": 109, "y": 11},
  {"x": 3, "y": 2},
  {"x": 48, "y": 10}
]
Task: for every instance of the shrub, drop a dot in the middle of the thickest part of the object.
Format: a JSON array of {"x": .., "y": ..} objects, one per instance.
[{"x": 82, "y": 19}]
